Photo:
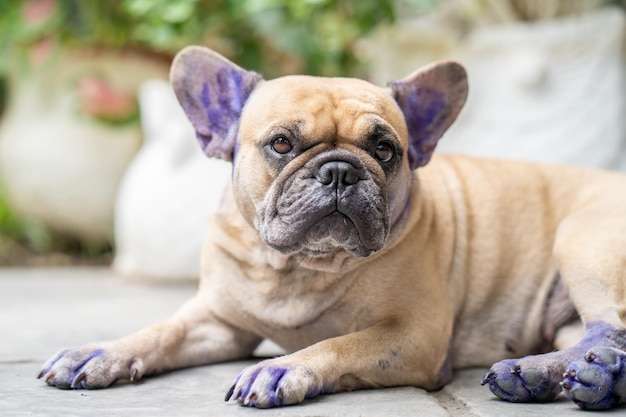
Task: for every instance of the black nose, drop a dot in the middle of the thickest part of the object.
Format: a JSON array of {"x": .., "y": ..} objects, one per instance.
[{"x": 338, "y": 173}]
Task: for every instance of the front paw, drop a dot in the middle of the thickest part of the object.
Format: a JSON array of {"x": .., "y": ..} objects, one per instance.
[
  {"x": 272, "y": 383},
  {"x": 599, "y": 381},
  {"x": 527, "y": 380},
  {"x": 88, "y": 367}
]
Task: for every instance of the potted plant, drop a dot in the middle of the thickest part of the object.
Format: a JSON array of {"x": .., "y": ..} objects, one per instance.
[{"x": 70, "y": 126}]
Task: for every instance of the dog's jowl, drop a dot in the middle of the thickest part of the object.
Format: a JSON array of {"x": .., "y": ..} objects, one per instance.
[{"x": 343, "y": 239}]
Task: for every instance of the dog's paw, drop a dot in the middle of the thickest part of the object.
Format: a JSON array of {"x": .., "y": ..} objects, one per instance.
[
  {"x": 599, "y": 381},
  {"x": 88, "y": 367},
  {"x": 531, "y": 379},
  {"x": 539, "y": 377},
  {"x": 272, "y": 384}
]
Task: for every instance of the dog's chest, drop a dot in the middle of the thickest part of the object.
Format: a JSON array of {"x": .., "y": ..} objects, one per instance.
[{"x": 267, "y": 301}]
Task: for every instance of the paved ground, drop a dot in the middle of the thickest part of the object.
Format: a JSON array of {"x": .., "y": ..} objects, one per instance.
[{"x": 44, "y": 310}]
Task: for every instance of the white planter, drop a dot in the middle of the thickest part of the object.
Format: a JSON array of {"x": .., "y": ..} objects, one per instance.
[
  {"x": 60, "y": 168},
  {"x": 551, "y": 91},
  {"x": 166, "y": 195}
]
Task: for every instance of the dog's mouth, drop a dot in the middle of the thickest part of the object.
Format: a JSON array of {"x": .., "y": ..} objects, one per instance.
[
  {"x": 337, "y": 231},
  {"x": 327, "y": 235},
  {"x": 309, "y": 214}
]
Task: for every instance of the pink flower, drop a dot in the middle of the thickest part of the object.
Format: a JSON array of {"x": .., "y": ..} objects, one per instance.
[
  {"x": 101, "y": 100},
  {"x": 38, "y": 11},
  {"x": 41, "y": 50}
]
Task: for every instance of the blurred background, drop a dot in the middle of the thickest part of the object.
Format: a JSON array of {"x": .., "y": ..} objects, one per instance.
[{"x": 99, "y": 166}]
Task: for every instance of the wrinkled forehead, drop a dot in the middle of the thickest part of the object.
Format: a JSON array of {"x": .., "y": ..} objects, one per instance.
[{"x": 324, "y": 106}]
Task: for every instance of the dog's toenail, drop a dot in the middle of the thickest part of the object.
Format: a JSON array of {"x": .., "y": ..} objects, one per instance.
[
  {"x": 489, "y": 376},
  {"x": 229, "y": 393},
  {"x": 569, "y": 374}
]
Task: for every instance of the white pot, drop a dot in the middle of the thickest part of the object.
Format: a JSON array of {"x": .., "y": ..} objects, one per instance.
[
  {"x": 550, "y": 91},
  {"x": 166, "y": 195},
  {"x": 60, "y": 168}
]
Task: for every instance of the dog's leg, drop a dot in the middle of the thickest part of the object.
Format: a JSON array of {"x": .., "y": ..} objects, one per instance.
[
  {"x": 193, "y": 336},
  {"x": 379, "y": 356},
  {"x": 593, "y": 372},
  {"x": 595, "y": 267}
]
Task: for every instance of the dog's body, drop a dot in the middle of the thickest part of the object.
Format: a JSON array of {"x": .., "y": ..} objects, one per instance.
[{"x": 373, "y": 274}]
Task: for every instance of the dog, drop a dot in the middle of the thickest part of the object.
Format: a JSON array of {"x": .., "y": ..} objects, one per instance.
[{"x": 376, "y": 264}]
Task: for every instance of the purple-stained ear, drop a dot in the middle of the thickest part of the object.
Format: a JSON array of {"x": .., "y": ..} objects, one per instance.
[
  {"x": 212, "y": 91},
  {"x": 430, "y": 98}
]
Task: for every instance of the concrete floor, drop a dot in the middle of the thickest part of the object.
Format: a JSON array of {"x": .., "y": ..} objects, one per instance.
[{"x": 44, "y": 310}]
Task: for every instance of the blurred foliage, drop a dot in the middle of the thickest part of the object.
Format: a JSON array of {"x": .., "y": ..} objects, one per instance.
[
  {"x": 3, "y": 94},
  {"x": 24, "y": 242},
  {"x": 20, "y": 231},
  {"x": 272, "y": 36}
]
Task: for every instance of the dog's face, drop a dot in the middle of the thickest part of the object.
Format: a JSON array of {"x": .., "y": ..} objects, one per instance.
[{"x": 322, "y": 166}]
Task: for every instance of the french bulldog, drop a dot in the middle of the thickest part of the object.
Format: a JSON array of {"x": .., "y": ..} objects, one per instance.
[{"x": 376, "y": 264}]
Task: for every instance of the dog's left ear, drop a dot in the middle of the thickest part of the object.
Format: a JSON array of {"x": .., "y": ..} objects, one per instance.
[
  {"x": 212, "y": 91},
  {"x": 430, "y": 98}
]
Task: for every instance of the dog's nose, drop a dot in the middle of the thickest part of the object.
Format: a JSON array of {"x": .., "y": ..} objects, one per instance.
[{"x": 338, "y": 173}]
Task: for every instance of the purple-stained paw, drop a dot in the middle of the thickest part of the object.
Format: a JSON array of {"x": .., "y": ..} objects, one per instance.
[
  {"x": 591, "y": 373},
  {"x": 88, "y": 367},
  {"x": 524, "y": 380},
  {"x": 272, "y": 384},
  {"x": 599, "y": 381}
]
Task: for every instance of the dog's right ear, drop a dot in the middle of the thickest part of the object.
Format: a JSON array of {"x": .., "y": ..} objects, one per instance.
[{"x": 212, "y": 91}]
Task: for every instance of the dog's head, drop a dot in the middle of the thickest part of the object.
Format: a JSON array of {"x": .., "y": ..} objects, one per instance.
[{"x": 321, "y": 165}]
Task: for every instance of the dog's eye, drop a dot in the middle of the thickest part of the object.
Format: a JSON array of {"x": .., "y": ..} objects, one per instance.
[
  {"x": 384, "y": 151},
  {"x": 281, "y": 145}
]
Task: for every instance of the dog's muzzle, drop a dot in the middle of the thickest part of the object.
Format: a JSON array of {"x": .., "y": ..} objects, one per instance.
[{"x": 332, "y": 202}]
